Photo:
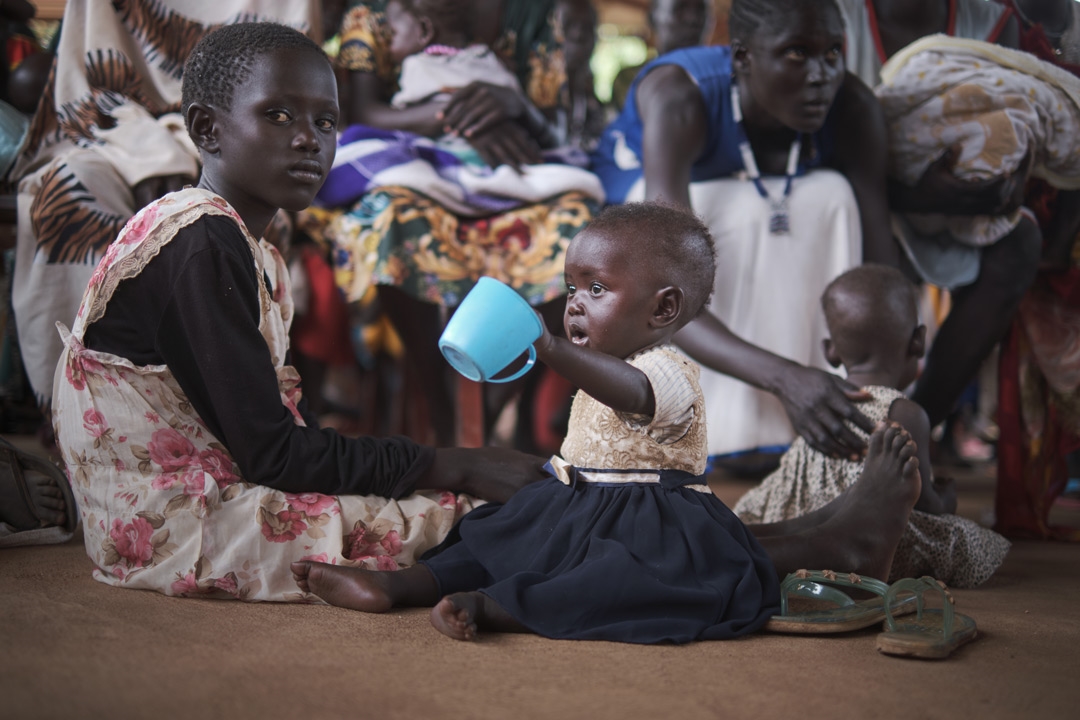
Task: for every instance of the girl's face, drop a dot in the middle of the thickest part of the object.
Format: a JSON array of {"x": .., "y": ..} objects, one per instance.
[
  {"x": 792, "y": 68},
  {"x": 275, "y": 145},
  {"x": 408, "y": 33},
  {"x": 609, "y": 304}
]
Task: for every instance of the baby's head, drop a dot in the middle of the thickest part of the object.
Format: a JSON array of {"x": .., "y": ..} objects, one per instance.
[
  {"x": 635, "y": 275},
  {"x": 873, "y": 318},
  {"x": 416, "y": 24},
  {"x": 260, "y": 103}
]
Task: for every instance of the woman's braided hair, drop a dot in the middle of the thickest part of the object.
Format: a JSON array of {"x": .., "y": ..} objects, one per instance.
[
  {"x": 746, "y": 16},
  {"x": 225, "y": 57}
]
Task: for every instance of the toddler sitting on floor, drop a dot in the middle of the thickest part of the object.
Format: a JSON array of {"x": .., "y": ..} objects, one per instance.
[{"x": 872, "y": 317}]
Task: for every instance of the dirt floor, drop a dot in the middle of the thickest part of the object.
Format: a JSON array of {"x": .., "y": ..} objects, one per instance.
[{"x": 73, "y": 648}]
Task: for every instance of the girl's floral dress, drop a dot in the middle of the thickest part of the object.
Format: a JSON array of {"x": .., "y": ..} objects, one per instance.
[{"x": 162, "y": 503}]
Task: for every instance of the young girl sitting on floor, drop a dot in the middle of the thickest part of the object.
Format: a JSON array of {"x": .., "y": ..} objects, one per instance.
[
  {"x": 625, "y": 542},
  {"x": 176, "y": 409},
  {"x": 872, "y": 316}
]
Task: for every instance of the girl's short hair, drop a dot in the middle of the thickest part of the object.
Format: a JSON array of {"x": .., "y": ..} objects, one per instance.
[
  {"x": 225, "y": 57},
  {"x": 669, "y": 240}
]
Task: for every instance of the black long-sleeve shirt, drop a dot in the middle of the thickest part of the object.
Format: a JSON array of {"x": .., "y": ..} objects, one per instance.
[{"x": 195, "y": 308}]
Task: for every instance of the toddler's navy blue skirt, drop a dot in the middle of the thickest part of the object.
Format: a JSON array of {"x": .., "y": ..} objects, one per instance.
[{"x": 631, "y": 563}]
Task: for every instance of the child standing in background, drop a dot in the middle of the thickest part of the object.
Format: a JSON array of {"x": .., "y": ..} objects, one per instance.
[{"x": 872, "y": 315}]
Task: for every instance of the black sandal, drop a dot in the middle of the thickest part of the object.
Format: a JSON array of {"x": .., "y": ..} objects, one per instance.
[{"x": 14, "y": 464}]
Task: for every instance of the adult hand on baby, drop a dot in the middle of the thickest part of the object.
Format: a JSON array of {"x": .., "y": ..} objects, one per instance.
[
  {"x": 818, "y": 403},
  {"x": 479, "y": 107},
  {"x": 506, "y": 144},
  {"x": 148, "y": 190}
]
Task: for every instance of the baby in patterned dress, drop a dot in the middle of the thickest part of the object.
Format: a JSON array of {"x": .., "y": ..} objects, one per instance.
[{"x": 872, "y": 315}]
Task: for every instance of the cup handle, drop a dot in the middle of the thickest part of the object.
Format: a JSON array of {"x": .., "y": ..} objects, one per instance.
[{"x": 524, "y": 368}]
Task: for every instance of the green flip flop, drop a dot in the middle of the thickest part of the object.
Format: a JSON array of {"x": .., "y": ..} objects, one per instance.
[
  {"x": 932, "y": 634},
  {"x": 843, "y": 613}
]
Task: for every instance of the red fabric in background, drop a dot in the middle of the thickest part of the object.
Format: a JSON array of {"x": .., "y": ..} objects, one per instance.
[{"x": 1032, "y": 470}]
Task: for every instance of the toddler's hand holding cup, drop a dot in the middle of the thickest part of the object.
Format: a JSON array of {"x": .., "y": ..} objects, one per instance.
[{"x": 491, "y": 328}]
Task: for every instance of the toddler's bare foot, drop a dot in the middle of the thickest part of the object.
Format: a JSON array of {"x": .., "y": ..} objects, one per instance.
[
  {"x": 455, "y": 615},
  {"x": 875, "y": 510},
  {"x": 347, "y": 587},
  {"x": 460, "y": 616}
]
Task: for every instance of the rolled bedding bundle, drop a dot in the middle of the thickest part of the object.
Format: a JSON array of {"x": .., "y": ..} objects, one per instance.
[{"x": 993, "y": 106}]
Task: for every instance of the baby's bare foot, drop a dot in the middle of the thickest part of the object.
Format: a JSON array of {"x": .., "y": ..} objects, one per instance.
[
  {"x": 461, "y": 615},
  {"x": 347, "y": 587},
  {"x": 455, "y": 615}
]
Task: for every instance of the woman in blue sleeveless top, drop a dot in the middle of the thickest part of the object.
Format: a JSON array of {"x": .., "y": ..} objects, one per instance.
[{"x": 782, "y": 153}]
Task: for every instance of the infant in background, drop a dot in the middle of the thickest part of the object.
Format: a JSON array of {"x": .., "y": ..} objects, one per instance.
[
  {"x": 872, "y": 315},
  {"x": 430, "y": 41}
]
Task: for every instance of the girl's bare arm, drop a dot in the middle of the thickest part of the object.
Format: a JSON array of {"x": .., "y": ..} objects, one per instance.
[{"x": 610, "y": 380}]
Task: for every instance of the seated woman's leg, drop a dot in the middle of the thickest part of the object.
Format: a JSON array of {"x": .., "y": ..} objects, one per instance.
[
  {"x": 980, "y": 315},
  {"x": 859, "y": 530}
]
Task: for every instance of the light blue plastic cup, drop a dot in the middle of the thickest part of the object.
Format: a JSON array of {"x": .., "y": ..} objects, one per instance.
[{"x": 491, "y": 328}]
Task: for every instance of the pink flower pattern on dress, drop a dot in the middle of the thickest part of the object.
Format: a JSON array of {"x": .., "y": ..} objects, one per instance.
[
  {"x": 139, "y": 227},
  {"x": 356, "y": 547},
  {"x": 310, "y": 504},
  {"x": 132, "y": 541},
  {"x": 219, "y": 466},
  {"x": 94, "y": 422},
  {"x": 361, "y": 543},
  {"x": 172, "y": 451},
  {"x": 391, "y": 543},
  {"x": 78, "y": 367},
  {"x": 285, "y": 526},
  {"x": 385, "y": 562},
  {"x": 227, "y": 583},
  {"x": 186, "y": 585}
]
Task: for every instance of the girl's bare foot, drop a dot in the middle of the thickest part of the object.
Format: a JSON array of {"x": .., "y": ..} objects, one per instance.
[
  {"x": 373, "y": 591},
  {"x": 460, "y": 615},
  {"x": 347, "y": 587}
]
